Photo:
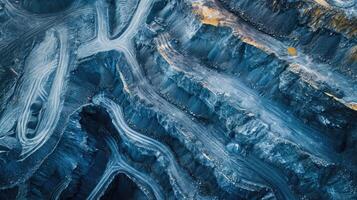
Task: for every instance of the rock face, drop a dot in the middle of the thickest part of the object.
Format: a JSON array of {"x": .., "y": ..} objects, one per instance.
[{"x": 178, "y": 99}]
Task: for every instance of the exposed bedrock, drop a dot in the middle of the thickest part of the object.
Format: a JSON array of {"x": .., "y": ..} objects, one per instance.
[
  {"x": 9, "y": 176},
  {"x": 190, "y": 91},
  {"x": 120, "y": 14},
  {"x": 226, "y": 177},
  {"x": 82, "y": 148},
  {"x": 89, "y": 120},
  {"x": 178, "y": 99},
  {"x": 285, "y": 14},
  {"x": 312, "y": 100},
  {"x": 142, "y": 114},
  {"x": 247, "y": 129},
  {"x": 291, "y": 15},
  {"x": 328, "y": 37},
  {"x": 295, "y": 90},
  {"x": 275, "y": 79}
]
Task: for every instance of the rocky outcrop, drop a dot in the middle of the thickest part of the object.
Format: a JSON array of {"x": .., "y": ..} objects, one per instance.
[{"x": 189, "y": 99}]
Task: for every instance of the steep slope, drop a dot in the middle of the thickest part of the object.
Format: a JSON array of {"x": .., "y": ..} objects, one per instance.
[{"x": 178, "y": 99}]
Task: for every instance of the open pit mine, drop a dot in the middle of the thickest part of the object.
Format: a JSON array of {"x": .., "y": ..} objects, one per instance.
[{"x": 178, "y": 99}]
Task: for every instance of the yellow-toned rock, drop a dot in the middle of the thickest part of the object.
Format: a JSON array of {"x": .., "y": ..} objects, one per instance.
[
  {"x": 292, "y": 51},
  {"x": 208, "y": 15}
]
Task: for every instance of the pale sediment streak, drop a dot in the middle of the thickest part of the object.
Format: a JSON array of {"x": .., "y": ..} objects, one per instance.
[
  {"x": 60, "y": 188},
  {"x": 50, "y": 114},
  {"x": 318, "y": 72},
  {"x": 102, "y": 43},
  {"x": 214, "y": 151},
  {"x": 117, "y": 165},
  {"x": 102, "y": 26},
  {"x": 349, "y": 7},
  {"x": 236, "y": 91},
  {"x": 249, "y": 173},
  {"x": 184, "y": 184},
  {"x": 38, "y": 70}
]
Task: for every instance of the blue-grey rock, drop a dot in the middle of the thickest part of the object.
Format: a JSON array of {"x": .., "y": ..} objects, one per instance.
[{"x": 179, "y": 99}]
